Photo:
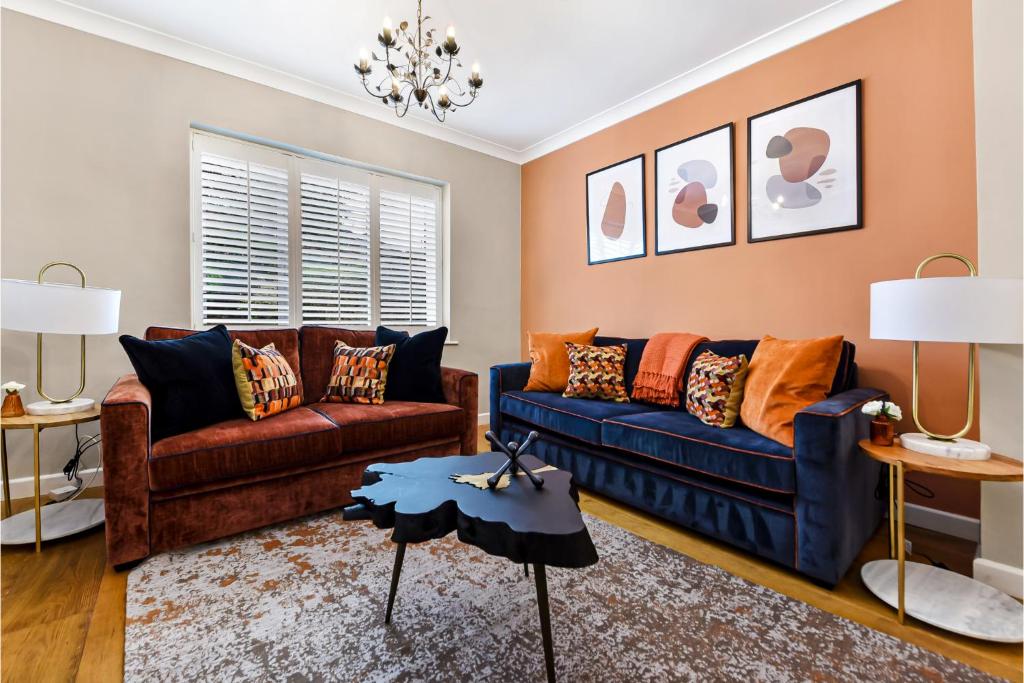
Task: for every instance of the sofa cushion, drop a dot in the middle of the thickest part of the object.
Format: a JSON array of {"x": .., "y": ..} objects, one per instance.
[
  {"x": 189, "y": 378},
  {"x": 678, "y": 438},
  {"x": 285, "y": 340},
  {"x": 845, "y": 377},
  {"x": 241, "y": 447},
  {"x": 573, "y": 417},
  {"x": 317, "y": 350},
  {"x": 391, "y": 424},
  {"x": 634, "y": 351},
  {"x": 414, "y": 373}
]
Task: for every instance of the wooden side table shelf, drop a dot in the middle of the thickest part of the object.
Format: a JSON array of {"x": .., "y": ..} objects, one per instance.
[
  {"x": 61, "y": 519},
  {"x": 937, "y": 596}
]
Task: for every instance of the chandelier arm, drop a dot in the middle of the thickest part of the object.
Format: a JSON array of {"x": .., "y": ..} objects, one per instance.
[
  {"x": 407, "y": 99},
  {"x": 433, "y": 109},
  {"x": 466, "y": 103},
  {"x": 370, "y": 92}
]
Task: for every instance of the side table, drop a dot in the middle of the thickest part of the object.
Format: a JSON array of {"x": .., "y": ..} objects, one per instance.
[
  {"x": 59, "y": 519},
  {"x": 937, "y": 596}
]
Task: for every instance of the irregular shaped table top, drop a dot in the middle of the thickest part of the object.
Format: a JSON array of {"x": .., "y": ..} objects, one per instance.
[{"x": 420, "y": 502}]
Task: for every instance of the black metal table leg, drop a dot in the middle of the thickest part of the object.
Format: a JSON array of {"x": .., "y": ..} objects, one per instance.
[
  {"x": 395, "y": 573},
  {"x": 545, "y": 620}
]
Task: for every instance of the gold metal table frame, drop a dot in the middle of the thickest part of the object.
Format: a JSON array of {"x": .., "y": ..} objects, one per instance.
[
  {"x": 899, "y": 461},
  {"x": 37, "y": 423}
]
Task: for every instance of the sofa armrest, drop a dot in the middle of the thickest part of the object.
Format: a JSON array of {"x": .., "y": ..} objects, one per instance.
[
  {"x": 836, "y": 508},
  {"x": 125, "y": 428},
  {"x": 462, "y": 388},
  {"x": 505, "y": 377}
]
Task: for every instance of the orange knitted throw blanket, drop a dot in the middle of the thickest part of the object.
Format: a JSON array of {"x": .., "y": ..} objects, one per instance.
[{"x": 661, "y": 367}]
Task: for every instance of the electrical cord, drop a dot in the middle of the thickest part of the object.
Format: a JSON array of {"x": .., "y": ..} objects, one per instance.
[
  {"x": 71, "y": 469},
  {"x": 882, "y": 493}
]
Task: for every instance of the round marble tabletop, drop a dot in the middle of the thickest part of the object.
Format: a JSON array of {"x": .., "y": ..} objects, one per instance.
[{"x": 949, "y": 600}]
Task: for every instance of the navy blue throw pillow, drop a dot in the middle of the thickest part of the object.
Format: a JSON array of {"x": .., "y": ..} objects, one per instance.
[
  {"x": 414, "y": 373},
  {"x": 190, "y": 380}
]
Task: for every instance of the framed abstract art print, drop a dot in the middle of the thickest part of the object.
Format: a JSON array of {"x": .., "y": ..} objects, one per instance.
[
  {"x": 616, "y": 224},
  {"x": 693, "y": 200},
  {"x": 804, "y": 166}
]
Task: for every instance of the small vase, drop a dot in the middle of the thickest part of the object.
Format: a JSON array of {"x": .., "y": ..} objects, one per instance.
[
  {"x": 12, "y": 406},
  {"x": 883, "y": 431}
]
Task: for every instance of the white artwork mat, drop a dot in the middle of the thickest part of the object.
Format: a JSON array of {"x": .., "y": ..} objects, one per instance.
[
  {"x": 836, "y": 114},
  {"x": 716, "y": 148},
  {"x": 630, "y": 176}
]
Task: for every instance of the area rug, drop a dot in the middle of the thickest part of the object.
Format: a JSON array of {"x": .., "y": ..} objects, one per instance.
[{"x": 305, "y": 601}]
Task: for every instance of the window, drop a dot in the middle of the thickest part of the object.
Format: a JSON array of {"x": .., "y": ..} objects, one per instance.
[{"x": 282, "y": 239}]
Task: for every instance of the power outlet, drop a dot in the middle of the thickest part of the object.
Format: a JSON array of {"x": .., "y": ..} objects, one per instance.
[{"x": 908, "y": 547}]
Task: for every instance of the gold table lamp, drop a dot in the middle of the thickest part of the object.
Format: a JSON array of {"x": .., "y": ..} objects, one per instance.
[
  {"x": 54, "y": 308},
  {"x": 972, "y": 309}
]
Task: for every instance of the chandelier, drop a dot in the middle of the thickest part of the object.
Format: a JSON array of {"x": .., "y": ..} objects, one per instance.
[{"x": 425, "y": 71}]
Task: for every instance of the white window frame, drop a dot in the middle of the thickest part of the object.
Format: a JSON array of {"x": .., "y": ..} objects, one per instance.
[{"x": 297, "y": 160}]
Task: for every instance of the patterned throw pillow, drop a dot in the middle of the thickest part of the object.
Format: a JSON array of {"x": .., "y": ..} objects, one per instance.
[
  {"x": 266, "y": 383},
  {"x": 359, "y": 375},
  {"x": 597, "y": 372},
  {"x": 714, "y": 389}
]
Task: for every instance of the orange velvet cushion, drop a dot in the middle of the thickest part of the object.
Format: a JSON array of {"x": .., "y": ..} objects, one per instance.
[
  {"x": 786, "y": 376},
  {"x": 550, "y": 358}
]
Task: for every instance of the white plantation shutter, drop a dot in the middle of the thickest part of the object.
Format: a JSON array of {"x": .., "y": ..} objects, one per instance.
[
  {"x": 335, "y": 223},
  {"x": 409, "y": 248},
  {"x": 243, "y": 242},
  {"x": 282, "y": 237}
]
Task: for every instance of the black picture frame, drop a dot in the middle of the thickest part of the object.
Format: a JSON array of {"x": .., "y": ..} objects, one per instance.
[
  {"x": 643, "y": 212},
  {"x": 732, "y": 190},
  {"x": 859, "y": 146}
]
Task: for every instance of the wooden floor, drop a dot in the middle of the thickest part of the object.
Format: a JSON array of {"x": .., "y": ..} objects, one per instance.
[{"x": 63, "y": 609}]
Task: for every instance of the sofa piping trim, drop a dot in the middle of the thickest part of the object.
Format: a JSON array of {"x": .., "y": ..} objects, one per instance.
[{"x": 708, "y": 443}]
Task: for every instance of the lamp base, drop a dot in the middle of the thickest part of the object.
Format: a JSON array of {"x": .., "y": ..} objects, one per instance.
[
  {"x": 75, "y": 405},
  {"x": 960, "y": 449}
]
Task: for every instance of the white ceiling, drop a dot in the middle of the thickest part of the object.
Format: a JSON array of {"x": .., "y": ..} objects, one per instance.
[{"x": 553, "y": 70}]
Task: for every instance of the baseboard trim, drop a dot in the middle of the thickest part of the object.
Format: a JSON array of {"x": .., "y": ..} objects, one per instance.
[
  {"x": 483, "y": 419},
  {"x": 23, "y": 487},
  {"x": 1004, "y": 577},
  {"x": 944, "y": 522}
]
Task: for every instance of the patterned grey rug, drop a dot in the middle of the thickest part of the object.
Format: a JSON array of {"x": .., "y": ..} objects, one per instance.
[{"x": 305, "y": 601}]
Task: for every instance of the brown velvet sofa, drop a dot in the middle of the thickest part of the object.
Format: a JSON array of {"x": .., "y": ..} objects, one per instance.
[{"x": 239, "y": 475}]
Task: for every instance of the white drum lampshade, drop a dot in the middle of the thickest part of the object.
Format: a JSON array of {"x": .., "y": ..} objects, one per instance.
[
  {"x": 982, "y": 310},
  {"x": 52, "y": 308},
  {"x": 975, "y": 310}
]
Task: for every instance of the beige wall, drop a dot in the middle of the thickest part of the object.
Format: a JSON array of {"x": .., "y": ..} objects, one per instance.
[
  {"x": 95, "y": 153},
  {"x": 998, "y": 75}
]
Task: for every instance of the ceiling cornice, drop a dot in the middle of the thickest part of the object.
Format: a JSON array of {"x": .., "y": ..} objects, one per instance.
[
  {"x": 790, "y": 35},
  {"x": 799, "y": 31}
]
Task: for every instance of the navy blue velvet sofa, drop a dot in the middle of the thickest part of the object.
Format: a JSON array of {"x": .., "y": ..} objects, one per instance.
[{"x": 811, "y": 507}]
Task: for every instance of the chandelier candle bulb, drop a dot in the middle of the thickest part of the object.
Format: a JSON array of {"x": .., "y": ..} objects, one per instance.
[
  {"x": 442, "y": 97},
  {"x": 364, "y": 59},
  {"x": 386, "y": 30},
  {"x": 450, "y": 33},
  {"x": 395, "y": 86},
  {"x": 476, "y": 70}
]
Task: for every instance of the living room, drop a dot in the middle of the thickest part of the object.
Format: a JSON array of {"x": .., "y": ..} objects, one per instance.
[{"x": 443, "y": 340}]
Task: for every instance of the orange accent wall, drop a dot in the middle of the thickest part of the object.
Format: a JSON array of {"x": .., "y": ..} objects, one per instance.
[{"x": 915, "y": 59}]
